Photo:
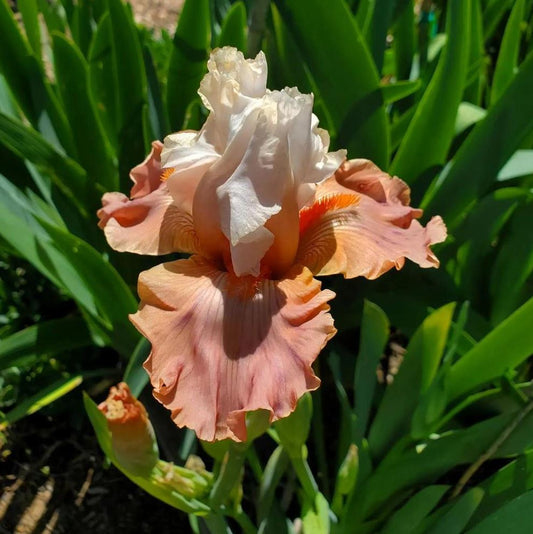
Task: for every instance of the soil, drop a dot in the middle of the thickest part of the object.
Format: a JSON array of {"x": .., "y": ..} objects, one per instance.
[
  {"x": 54, "y": 479},
  {"x": 157, "y": 14}
]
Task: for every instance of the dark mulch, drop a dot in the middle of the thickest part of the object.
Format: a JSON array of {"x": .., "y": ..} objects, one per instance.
[{"x": 54, "y": 480}]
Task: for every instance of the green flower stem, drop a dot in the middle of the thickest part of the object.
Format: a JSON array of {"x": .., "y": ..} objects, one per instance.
[
  {"x": 230, "y": 474},
  {"x": 247, "y": 527},
  {"x": 216, "y": 524},
  {"x": 304, "y": 474}
]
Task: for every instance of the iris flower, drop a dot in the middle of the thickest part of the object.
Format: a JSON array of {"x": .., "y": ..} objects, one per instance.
[{"x": 262, "y": 206}]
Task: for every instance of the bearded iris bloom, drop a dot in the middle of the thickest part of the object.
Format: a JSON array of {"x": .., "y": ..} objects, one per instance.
[{"x": 262, "y": 206}]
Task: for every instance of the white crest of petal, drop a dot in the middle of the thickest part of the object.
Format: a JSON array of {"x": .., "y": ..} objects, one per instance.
[{"x": 285, "y": 150}]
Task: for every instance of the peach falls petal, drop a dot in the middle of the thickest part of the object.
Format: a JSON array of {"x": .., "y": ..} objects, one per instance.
[
  {"x": 263, "y": 205},
  {"x": 224, "y": 346}
]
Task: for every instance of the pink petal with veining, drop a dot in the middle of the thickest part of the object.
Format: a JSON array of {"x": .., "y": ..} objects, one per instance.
[
  {"x": 365, "y": 226},
  {"x": 223, "y": 346}
]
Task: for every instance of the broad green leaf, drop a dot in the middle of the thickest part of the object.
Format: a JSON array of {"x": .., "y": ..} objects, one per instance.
[
  {"x": 396, "y": 91},
  {"x": 71, "y": 264},
  {"x": 286, "y": 65},
  {"x": 15, "y": 59},
  {"x": 475, "y": 239},
  {"x": 344, "y": 73},
  {"x": 45, "y": 397},
  {"x": 416, "y": 373},
  {"x": 506, "y": 484},
  {"x": 404, "y": 41},
  {"x": 157, "y": 116},
  {"x": 113, "y": 299},
  {"x": 436, "y": 456},
  {"x": 30, "y": 17},
  {"x": 346, "y": 430},
  {"x": 162, "y": 492},
  {"x": 376, "y": 30},
  {"x": 135, "y": 375},
  {"x": 81, "y": 25},
  {"x": 24, "y": 75},
  {"x": 374, "y": 336},
  {"x": 50, "y": 337},
  {"x": 520, "y": 164},
  {"x": 188, "y": 59},
  {"x": 430, "y": 133},
  {"x": 94, "y": 153},
  {"x": 131, "y": 93},
  {"x": 512, "y": 518},
  {"x": 102, "y": 79},
  {"x": 477, "y": 62},
  {"x": 508, "y": 277},
  {"x": 233, "y": 30},
  {"x": 493, "y": 13},
  {"x": 28, "y": 144},
  {"x": 508, "y": 345},
  {"x": 467, "y": 115},
  {"x": 507, "y": 63},
  {"x": 409, "y": 516},
  {"x": 475, "y": 168},
  {"x": 53, "y": 14},
  {"x": 457, "y": 517},
  {"x": 275, "y": 468}
]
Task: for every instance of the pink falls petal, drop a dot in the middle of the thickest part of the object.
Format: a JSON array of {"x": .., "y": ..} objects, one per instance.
[
  {"x": 152, "y": 222},
  {"x": 223, "y": 346},
  {"x": 365, "y": 226},
  {"x": 148, "y": 225}
]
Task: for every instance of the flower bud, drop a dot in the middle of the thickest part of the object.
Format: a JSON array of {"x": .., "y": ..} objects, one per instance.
[{"x": 132, "y": 436}]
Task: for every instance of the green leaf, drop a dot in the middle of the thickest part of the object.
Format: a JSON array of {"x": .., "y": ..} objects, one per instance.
[
  {"x": 94, "y": 153},
  {"x": 520, "y": 164},
  {"x": 233, "y": 30},
  {"x": 131, "y": 93},
  {"x": 430, "y": 460},
  {"x": 477, "y": 61},
  {"x": 493, "y": 13},
  {"x": 45, "y": 397},
  {"x": 411, "y": 514},
  {"x": 416, "y": 373},
  {"x": 396, "y": 91},
  {"x": 507, "y": 63},
  {"x": 430, "y": 133},
  {"x": 344, "y": 73},
  {"x": 188, "y": 59},
  {"x": 25, "y": 77},
  {"x": 162, "y": 492},
  {"x": 374, "y": 336},
  {"x": 505, "y": 484},
  {"x": 476, "y": 236},
  {"x": 135, "y": 375},
  {"x": 376, "y": 29},
  {"x": 275, "y": 468},
  {"x": 71, "y": 264},
  {"x": 50, "y": 337},
  {"x": 28, "y": 144},
  {"x": 404, "y": 41},
  {"x": 514, "y": 518},
  {"x": 474, "y": 168},
  {"x": 508, "y": 345},
  {"x": 30, "y": 17},
  {"x": 508, "y": 278},
  {"x": 457, "y": 517},
  {"x": 102, "y": 79},
  {"x": 467, "y": 115}
]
